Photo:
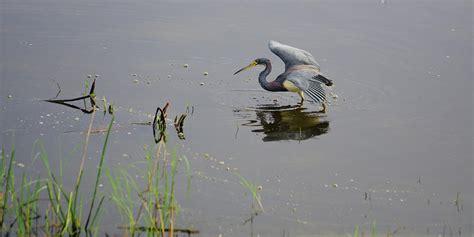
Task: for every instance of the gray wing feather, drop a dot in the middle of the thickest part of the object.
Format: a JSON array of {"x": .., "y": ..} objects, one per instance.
[
  {"x": 307, "y": 81},
  {"x": 292, "y": 56}
]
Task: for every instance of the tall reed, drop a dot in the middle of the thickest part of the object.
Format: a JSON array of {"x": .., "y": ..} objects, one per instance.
[
  {"x": 156, "y": 209},
  {"x": 63, "y": 208}
]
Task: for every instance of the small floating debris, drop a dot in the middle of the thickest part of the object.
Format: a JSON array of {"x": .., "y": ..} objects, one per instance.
[
  {"x": 185, "y": 65},
  {"x": 201, "y": 84},
  {"x": 111, "y": 109},
  {"x": 10, "y": 96},
  {"x": 21, "y": 165},
  {"x": 335, "y": 185},
  {"x": 135, "y": 81},
  {"x": 89, "y": 76},
  {"x": 206, "y": 73},
  {"x": 169, "y": 76}
]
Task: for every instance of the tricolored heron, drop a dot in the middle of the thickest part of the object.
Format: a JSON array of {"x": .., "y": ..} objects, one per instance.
[{"x": 302, "y": 73}]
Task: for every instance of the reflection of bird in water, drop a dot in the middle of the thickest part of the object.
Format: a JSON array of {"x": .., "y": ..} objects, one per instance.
[
  {"x": 295, "y": 124},
  {"x": 301, "y": 74}
]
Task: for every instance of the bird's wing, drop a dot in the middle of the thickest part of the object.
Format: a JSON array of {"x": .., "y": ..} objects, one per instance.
[
  {"x": 292, "y": 56},
  {"x": 310, "y": 82}
]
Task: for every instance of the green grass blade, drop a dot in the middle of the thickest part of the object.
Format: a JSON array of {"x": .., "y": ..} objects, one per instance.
[
  {"x": 68, "y": 217},
  {"x": 99, "y": 171},
  {"x": 373, "y": 229},
  {"x": 7, "y": 185},
  {"x": 97, "y": 210}
]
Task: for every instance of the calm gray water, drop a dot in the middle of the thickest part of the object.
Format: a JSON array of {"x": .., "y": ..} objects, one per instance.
[{"x": 401, "y": 129}]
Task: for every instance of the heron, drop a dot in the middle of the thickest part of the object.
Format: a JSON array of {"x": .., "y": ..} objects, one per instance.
[{"x": 302, "y": 74}]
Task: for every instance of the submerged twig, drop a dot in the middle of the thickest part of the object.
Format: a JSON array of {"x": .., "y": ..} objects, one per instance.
[
  {"x": 144, "y": 228},
  {"x": 236, "y": 132},
  {"x": 457, "y": 202},
  {"x": 141, "y": 123},
  {"x": 71, "y": 106},
  {"x": 254, "y": 214},
  {"x": 59, "y": 90}
]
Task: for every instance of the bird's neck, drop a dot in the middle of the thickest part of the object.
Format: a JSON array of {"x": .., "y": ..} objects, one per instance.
[{"x": 262, "y": 78}]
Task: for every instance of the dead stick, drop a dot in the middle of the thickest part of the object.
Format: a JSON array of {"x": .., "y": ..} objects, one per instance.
[
  {"x": 144, "y": 228},
  {"x": 69, "y": 100}
]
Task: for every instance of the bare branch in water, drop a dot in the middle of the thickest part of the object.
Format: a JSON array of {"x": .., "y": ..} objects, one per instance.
[
  {"x": 90, "y": 96},
  {"x": 144, "y": 228},
  {"x": 59, "y": 90}
]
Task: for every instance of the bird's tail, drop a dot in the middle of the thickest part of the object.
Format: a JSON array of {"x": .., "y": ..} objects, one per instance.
[{"x": 324, "y": 80}]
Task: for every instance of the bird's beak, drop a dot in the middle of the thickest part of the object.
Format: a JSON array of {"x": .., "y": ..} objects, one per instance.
[{"x": 251, "y": 65}]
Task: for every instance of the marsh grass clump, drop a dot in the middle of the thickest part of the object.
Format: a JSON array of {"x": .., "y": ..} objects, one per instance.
[
  {"x": 44, "y": 205},
  {"x": 152, "y": 206},
  {"x": 18, "y": 202},
  {"x": 66, "y": 212},
  {"x": 359, "y": 231}
]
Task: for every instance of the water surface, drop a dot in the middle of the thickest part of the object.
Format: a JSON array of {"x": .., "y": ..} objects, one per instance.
[{"x": 394, "y": 148}]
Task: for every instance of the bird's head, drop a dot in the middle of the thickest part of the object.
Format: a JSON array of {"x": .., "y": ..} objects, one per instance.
[{"x": 258, "y": 61}]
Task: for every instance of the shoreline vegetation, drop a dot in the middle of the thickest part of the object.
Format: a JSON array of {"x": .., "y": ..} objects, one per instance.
[
  {"x": 33, "y": 206},
  {"x": 45, "y": 206}
]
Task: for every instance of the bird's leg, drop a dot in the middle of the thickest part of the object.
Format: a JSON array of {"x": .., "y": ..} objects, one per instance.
[
  {"x": 324, "y": 108},
  {"x": 300, "y": 104}
]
